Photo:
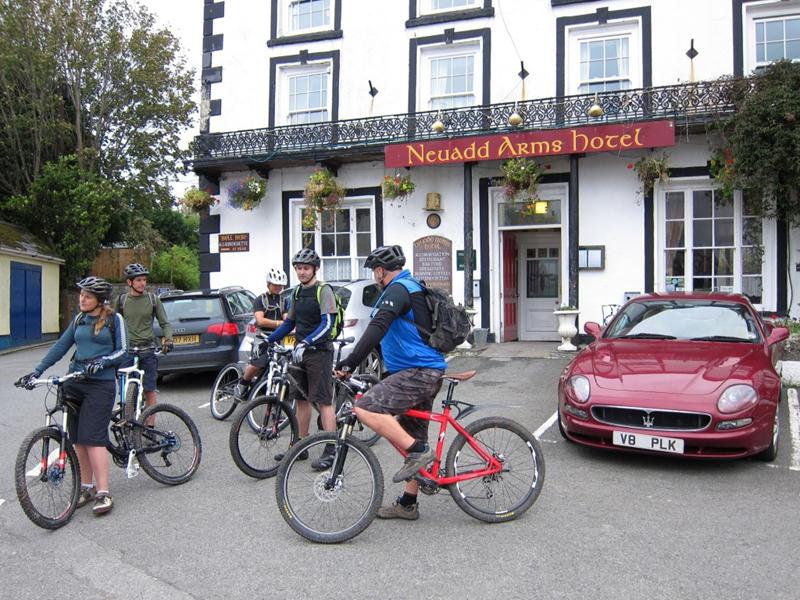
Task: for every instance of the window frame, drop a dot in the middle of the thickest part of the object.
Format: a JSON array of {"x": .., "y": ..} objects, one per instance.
[
  {"x": 350, "y": 204},
  {"x": 577, "y": 34},
  {"x": 762, "y": 12},
  {"x": 767, "y": 240},
  {"x": 427, "y": 54},
  {"x": 283, "y": 99}
]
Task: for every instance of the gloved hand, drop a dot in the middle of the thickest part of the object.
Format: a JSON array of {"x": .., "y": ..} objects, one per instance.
[
  {"x": 94, "y": 366},
  {"x": 25, "y": 380},
  {"x": 166, "y": 346},
  {"x": 298, "y": 351},
  {"x": 343, "y": 371}
]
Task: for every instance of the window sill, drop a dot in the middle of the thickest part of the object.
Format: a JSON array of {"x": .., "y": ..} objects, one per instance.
[
  {"x": 305, "y": 38},
  {"x": 460, "y": 15}
]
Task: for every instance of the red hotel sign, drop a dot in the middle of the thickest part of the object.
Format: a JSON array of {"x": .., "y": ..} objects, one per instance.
[{"x": 575, "y": 140}]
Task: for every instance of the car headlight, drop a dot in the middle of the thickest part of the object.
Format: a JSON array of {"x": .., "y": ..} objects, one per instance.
[
  {"x": 736, "y": 398},
  {"x": 579, "y": 388}
]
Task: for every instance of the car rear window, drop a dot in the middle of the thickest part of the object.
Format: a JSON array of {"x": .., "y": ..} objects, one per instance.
[{"x": 187, "y": 309}]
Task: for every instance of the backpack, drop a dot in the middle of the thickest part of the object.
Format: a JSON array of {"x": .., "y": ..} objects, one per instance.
[
  {"x": 112, "y": 326},
  {"x": 338, "y": 322},
  {"x": 450, "y": 321},
  {"x": 124, "y": 296}
]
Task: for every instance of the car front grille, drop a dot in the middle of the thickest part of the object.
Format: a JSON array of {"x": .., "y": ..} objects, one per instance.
[{"x": 646, "y": 418}]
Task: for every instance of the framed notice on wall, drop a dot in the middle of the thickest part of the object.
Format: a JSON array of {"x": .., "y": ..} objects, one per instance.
[
  {"x": 234, "y": 242},
  {"x": 433, "y": 262}
]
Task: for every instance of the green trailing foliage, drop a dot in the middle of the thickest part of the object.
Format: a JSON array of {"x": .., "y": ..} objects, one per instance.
[{"x": 759, "y": 150}]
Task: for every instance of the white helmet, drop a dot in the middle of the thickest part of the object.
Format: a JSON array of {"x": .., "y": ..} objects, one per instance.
[{"x": 276, "y": 276}]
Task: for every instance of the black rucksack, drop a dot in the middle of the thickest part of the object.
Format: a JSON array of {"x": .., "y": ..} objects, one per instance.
[
  {"x": 338, "y": 322},
  {"x": 450, "y": 321}
]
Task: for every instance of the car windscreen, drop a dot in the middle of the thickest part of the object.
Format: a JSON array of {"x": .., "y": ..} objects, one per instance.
[
  {"x": 190, "y": 309},
  {"x": 700, "y": 320}
]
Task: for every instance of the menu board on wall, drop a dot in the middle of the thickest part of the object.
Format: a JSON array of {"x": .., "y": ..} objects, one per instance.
[{"x": 433, "y": 262}]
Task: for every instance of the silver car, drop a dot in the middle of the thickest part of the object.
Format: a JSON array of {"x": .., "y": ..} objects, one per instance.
[{"x": 358, "y": 298}]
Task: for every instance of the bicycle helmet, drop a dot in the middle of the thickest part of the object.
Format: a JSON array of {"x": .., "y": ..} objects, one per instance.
[
  {"x": 97, "y": 286},
  {"x": 390, "y": 258},
  {"x": 276, "y": 276},
  {"x": 134, "y": 270},
  {"x": 306, "y": 256}
]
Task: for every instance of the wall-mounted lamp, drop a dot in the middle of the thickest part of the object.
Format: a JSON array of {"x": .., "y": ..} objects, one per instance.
[
  {"x": 595, "y": 110},
  {"x": 540, "y": 207}
]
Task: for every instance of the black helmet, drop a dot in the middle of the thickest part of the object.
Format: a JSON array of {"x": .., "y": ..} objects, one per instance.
[
  {"x": 306, "y": 256},
  {"x": 134, "y": 270},
  {"x": 97, "y": 286},
  {"x": 390, "y": 258}
]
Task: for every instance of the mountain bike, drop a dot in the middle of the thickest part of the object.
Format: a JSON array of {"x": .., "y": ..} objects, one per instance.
[
  {"x": 47, "y": 473},
  {"x": 494, "y": 471},
  {"x": 271, "y": 417}
]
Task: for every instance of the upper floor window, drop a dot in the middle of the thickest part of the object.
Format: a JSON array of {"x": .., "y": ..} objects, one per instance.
[
  {"x": 308, "y": 98},
  {"x": 450, "y": 77},
  {"x": 605, "y": 65},
  {"x": 442, "y": 5},
  {"x": 309, "y": 15},
  {"x": 777, "y": 39},
  {"x": 604, "y": 58}
]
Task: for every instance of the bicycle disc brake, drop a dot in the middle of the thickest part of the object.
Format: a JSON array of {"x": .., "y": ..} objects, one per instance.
[{"x": 323, "y": 490}]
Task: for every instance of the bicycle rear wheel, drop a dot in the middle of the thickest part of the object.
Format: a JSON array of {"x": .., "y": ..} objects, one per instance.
[
  {"x": 48, "y": 497},
  {"x": 255, "y": 452},
  {"x": 324, "y": 511},
  {"x": 170, "y": 450},
  {"x": 509, "y": 493},
  {"x": 223, "y": 402}
]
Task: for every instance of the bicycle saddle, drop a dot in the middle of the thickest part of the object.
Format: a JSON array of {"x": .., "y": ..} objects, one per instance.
[{"x": 460, "y": 376}]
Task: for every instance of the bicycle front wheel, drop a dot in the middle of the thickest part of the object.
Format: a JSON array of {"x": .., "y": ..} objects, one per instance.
[
  {"x": 503, "y": 496},
  {"x": 170, "y": 449},
  {"x": 323, "y": 508},
  {"x": 360, "y": 431},
  {"x": 258, "y": 451},
  {"x": 47, "y": 493},
  {"x": 223, "y": 402},
  {"x": 131, "y": 398}
]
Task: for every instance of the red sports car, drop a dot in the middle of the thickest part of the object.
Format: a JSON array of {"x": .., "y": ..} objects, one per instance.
[{"x": 689, "y": 374}]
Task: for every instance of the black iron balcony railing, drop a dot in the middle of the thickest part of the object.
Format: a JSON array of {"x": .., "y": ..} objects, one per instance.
[{"x": 688, "y": 104}]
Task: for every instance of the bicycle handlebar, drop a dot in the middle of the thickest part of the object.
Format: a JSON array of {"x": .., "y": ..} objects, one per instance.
[{"x": 52, "y": 380}]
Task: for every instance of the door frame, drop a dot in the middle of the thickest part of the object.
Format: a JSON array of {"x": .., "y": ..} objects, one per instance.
[{"x": 496, "y": 196}]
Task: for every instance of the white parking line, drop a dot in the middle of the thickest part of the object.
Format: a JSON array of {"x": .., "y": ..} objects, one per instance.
[
  {"x": 2, "y": 502},
  {"x": 794, "y": 427},
  {"x": 546, "y": 425},
  {"x": 36, "y": 471},
  {"x": 204, "y": 405}
]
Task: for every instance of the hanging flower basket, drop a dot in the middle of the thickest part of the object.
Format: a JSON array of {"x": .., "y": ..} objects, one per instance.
[
  {"x": 397, "y": 187},
  {"x": 247, "y": 193},
  {"x": 197, "y": 200},
  {"x": 322, "y": 192},
  {"x": 522, "y": 176},
  {"x": 649, "y": 169}
]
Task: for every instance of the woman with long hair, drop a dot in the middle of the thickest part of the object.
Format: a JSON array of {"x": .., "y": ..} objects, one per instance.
[{"x": 99, "y": 337}]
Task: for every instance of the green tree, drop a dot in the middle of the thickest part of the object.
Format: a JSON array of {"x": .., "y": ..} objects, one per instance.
[
  {"x": 178, "y": 265},
  {"x": 71, "y": 208}
]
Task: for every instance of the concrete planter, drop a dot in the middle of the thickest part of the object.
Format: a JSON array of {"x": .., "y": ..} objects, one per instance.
[{"x": 567, "y": 328}]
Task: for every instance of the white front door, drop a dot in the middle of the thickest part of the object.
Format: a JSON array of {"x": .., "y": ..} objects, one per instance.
[{"x": 539, "y": 286}]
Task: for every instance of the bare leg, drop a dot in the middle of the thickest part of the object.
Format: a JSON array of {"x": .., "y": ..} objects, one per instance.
[
  {"x": 149, "y": 400},
  {"x": 250, "y": 372},
  {"x": 98, "y": 457},
  {"x": 328, "y": 416},
  {"x": 387, "y": 426},
  {"x": 303, "y": 411},
  {"x": 87, "y": 474}
]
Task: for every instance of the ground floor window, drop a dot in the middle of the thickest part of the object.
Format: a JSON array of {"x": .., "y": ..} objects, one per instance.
[
  {"x": 711, "y": 243},
  {"x": 343, "y": 238}
]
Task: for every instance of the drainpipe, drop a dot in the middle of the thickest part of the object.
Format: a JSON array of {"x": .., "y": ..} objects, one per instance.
[
  {"x": 574, "y": 242},
  {"x": 468, "y": 266}
]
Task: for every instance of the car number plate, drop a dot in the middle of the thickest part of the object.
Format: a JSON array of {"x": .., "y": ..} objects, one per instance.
[
  {"x": 648, "y": 442},
  {"x": 289, "y": 340},
  {"x": 181, "y": 340}
]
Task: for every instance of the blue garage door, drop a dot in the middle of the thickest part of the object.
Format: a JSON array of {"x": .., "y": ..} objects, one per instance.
[{"x": 26, "y": 303}]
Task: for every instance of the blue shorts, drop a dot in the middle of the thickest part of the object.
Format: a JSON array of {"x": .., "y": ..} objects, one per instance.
[{"x": 148, "y": 362}]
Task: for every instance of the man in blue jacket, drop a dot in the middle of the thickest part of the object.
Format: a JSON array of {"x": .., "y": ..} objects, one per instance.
[{"x": 415, "y": 369}]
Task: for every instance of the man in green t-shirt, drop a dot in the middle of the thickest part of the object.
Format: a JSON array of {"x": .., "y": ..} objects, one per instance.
[{"x": 139, "y": 307}]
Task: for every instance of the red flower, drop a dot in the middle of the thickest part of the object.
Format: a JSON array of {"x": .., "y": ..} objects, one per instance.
[{"x": 630, "y": 165}]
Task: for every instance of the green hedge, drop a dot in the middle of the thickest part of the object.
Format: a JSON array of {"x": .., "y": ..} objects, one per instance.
[{"x": 178, "y": 265}]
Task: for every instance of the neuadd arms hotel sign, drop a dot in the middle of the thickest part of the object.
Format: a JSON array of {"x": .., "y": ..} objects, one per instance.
[{"x": 575, "y": 140}]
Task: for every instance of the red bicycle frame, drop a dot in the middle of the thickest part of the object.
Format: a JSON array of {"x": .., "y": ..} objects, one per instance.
[{"x": 444, "y": 418}]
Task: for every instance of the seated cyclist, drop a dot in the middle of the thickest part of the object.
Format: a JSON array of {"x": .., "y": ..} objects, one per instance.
[
  {"x": 415, "y": 369},
  {"x": 269, "y": 313}
]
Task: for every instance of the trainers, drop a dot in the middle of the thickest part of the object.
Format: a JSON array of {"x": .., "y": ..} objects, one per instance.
[
  {"x": 302, "y": 456},
  {"x": 102, "y": 504},
  {"x": 398, "y": 511},
  {"x": 414, "y": 462},
  {"x": 325, "y": 461},
  {"x": 86, "y": 496},
  {"x": 241, "y": 390}
]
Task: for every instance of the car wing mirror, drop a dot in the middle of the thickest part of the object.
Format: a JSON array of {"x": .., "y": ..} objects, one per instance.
[
  {"x": 592, "y": 328},
  {"x": 778, "y": 334}
]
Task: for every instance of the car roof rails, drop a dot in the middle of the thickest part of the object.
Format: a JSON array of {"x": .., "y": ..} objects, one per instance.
[
  {"x": 167, "y": 293},
  {"x": 231, "y": 288}
]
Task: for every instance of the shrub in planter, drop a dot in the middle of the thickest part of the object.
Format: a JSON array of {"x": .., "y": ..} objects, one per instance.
[
  {"x": 522, "y": 175},
  {"x": 397, "y": 187},
  {"x": 649, "y": 169}
]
